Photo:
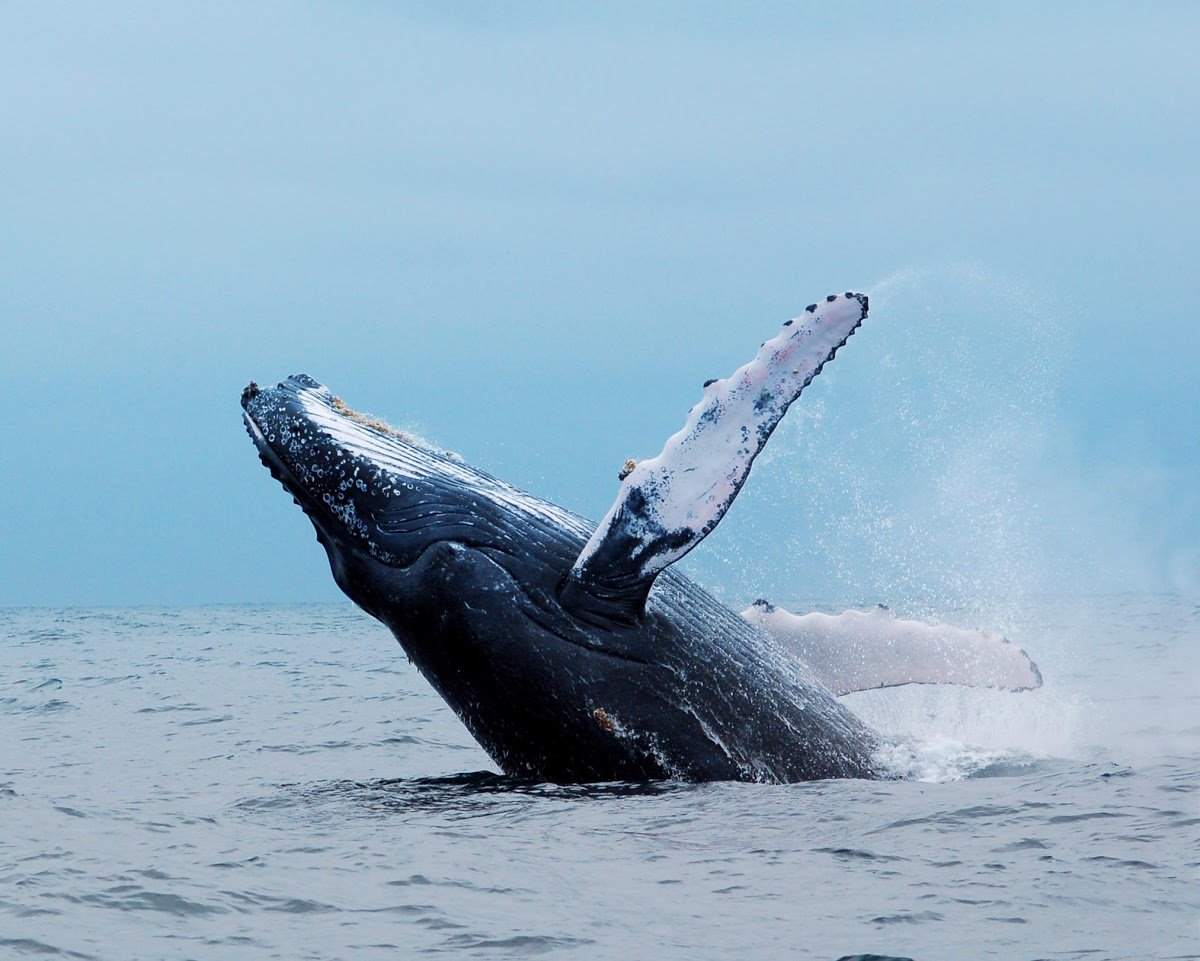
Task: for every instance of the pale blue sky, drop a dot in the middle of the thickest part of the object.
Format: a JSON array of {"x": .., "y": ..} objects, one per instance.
[{"x": 533, "y": 234}]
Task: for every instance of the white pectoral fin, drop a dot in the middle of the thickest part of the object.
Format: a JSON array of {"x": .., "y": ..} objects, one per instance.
[
  {"x": 863, "y": 650},
  {"x": 669, "y": 503}
]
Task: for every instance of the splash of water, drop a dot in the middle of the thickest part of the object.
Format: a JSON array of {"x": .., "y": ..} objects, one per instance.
[
  {"x": 948, "y": 733},
  {"x": 910, "y": 476},
  {"x": 917, "y": 475}
]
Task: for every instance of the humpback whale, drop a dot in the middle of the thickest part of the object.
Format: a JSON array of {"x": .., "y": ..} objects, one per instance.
[{"x": 575, "y": 652}]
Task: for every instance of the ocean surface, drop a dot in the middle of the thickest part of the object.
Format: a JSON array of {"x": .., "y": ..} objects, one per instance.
[{"x": 278, "y": 782}]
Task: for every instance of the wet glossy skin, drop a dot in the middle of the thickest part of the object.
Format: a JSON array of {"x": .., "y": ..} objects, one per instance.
[{"x": 465, "y": 571}]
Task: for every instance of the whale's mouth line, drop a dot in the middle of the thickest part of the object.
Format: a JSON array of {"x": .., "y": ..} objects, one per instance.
[
  {"x": 305, "y": 500},
  {"x": 272, "y": 461},
  {"x": 281, "y": 472}
]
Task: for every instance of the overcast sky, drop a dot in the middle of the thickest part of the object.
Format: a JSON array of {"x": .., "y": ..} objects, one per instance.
[{"x": 533, "y": 234}]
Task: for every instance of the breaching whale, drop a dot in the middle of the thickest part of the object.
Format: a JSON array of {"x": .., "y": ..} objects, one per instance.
[{"x": 574, "y": 652}]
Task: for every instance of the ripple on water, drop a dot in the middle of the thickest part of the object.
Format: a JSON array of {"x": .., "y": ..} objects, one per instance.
[
  {"x": 908, "y": 917},
  {"x": 135, "y": 898},
  {"x": 854, "y": 854},
  {"x": 521, "y": 945},
  {"x": 30, "y": 947}
]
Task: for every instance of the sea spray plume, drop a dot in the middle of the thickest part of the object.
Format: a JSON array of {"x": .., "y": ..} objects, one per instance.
[{"x": 928, "y": 474}]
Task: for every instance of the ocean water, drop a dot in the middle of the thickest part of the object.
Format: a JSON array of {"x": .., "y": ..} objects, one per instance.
[{"x": 278, "y": 782}]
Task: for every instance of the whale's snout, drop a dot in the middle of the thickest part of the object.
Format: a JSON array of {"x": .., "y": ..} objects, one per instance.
[
  {"x": 362, "y": 482},
  {"x": 278, "y": 416},
  {"x": 294, "y": 385}
]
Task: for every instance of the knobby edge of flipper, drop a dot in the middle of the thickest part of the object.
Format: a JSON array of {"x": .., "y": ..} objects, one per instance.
[
  {"x": 669, "y": 503},
  {"x": 865, "y": 650}
]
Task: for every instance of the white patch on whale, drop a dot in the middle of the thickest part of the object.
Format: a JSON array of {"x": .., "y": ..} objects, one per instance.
[
  {"x": 862, "y": 650},
  {"x": 669, "y": 503}
]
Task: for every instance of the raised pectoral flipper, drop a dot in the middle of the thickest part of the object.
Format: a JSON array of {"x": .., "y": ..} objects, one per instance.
[
  {"x": 863, "y": 650},
  {"x": 669, "y": 503}
]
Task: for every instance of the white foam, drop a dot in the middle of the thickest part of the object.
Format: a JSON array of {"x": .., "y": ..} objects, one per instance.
[
  {"x": 944, "y": 733},
  {"x": 938, "y": 760}
]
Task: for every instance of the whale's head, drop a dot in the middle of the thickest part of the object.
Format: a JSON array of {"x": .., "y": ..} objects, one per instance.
[{"x": 380, "y": 498}]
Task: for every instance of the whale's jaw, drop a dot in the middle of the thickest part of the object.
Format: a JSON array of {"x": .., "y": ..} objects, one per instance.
[
  {"x": 379, "y": 498},
  {"x": 342, "y": 468}
]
